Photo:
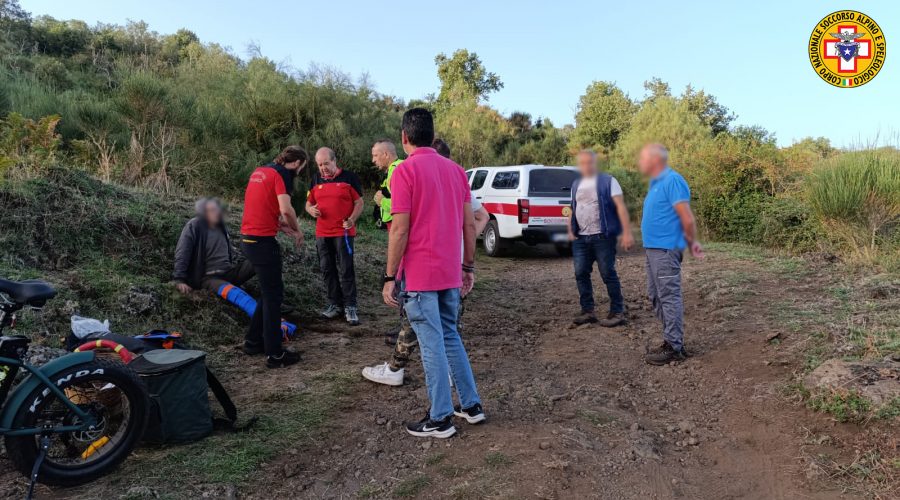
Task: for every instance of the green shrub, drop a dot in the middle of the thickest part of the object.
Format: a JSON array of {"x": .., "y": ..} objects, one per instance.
[
  {"x": 789, "y": 224},
  {"x": 856, "y": 196},
  {"x": 634, "y": 188},
  {"x": 731, "y": 217},
  {"x": 29, "y": 145}
]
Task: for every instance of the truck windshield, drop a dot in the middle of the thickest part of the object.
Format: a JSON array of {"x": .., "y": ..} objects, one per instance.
[{"x": 551, "y": 182}]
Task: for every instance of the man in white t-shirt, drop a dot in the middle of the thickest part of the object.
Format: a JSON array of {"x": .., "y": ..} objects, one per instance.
[{"x": 599, "y": 217}]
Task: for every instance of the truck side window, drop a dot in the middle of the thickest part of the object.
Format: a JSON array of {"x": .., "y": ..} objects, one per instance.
[
  {"x": 478, "y": 181},
  {"x": 506, "y": 180}
]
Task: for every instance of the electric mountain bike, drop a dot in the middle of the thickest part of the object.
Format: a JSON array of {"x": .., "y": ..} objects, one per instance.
[{"x": 73, "y": 419}]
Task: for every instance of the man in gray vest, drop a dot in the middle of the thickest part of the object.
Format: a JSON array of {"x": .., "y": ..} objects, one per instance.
[{"x": 598, "y": 218}]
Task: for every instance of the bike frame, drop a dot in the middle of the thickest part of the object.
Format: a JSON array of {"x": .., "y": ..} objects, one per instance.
[{"x": 15, "y": 364}]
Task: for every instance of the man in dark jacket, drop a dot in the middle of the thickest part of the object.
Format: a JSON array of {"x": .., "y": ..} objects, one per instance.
[
  {"x": 203, "y": 256},
  {"x": 597, "y": 219}
]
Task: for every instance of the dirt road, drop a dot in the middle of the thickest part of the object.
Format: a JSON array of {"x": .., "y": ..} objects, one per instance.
[{"x": 574, "y": 412}]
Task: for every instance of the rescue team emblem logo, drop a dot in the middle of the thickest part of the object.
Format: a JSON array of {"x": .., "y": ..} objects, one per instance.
[
  {"x": 566, "y": 211},
  {"x": 847, "y": 48}
]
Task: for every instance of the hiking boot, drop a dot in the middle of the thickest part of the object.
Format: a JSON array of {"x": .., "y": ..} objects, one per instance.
[
  {"x": 429, "y": 428},
  {"x": 352, "y": 315},
  {"x": 473, "y": 415},
  {"x": 382, "y": 374},
  {"x": 585, "y": 318},
  {"x": 286, "y": 358},
  {"x": 251, "y": 349},
  {"x": 332, "y": 311},
  {"x": 665, "y": 355},
  {"x": 658, "y": 349},
  {"x": 613, "y": 319}
]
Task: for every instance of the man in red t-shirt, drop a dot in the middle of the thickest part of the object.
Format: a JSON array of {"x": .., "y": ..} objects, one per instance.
[
  {"x": 335, "y": 200},
  {"x": 267, "y": 210}
]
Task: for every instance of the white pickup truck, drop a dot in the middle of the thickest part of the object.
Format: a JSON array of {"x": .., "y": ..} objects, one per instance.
[{"x": 527, "y": 203}]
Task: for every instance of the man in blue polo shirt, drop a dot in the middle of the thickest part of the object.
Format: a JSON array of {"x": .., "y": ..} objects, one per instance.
[{"x": 667, "y": 228}]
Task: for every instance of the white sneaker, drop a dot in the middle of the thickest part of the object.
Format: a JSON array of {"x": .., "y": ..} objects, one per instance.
[{"x": 382, "y": 374}]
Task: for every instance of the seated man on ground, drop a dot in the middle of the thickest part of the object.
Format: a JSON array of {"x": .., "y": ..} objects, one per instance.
[
  {"x": 204, "y": 260},
  {"x": 203, "y": 256}
]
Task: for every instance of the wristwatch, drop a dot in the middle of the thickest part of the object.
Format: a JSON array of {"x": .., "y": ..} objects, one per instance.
[{"x": 388, "y": 279}]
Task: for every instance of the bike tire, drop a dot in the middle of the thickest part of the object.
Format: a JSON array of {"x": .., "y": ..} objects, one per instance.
[{"x": 23, "y": 450}]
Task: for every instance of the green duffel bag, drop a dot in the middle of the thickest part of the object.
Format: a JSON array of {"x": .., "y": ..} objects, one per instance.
[{"x": 178, "y": 383}]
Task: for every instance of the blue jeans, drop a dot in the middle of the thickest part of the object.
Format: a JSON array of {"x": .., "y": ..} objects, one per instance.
[
  {"x": 433, "y": 316},
  {"x": 596, "y": 248}
]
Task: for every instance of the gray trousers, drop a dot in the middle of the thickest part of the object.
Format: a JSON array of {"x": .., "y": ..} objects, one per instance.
[{"x": 664, "y": 290}]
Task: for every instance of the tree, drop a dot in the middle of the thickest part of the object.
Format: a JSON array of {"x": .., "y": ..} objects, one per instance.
[
  {"x": 174, "y": 47},
  {"x": 656, "y": 88},
  {"x": 520, "y": 123},
  {"x": 665, "y": 120},
  {"x": 475, "y": 133},
  {"x": 604, "y": 114},
  {"x": 15, "y": 26},
  {"x": 464, "y": 77},
  {"x": 714, "y": 115},
  {"x": 801, "y": 157}
]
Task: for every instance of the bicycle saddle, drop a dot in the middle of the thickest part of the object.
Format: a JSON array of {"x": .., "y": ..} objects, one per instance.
[{"x": 29, "y": 292}]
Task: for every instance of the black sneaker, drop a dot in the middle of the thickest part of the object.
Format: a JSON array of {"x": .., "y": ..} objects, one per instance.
[
  {"x": 473, "y": 414},
  {"x": 286, "y": 358},
  {"x": 251, "y": 349},
  {"x": 665, "y": 355},
  {"x": 429, "y": 428}
]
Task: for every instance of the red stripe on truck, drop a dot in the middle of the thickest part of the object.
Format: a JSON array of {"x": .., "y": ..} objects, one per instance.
[
  {"x": 502, "y": 208},
  {"x": 535, "y": 210}
]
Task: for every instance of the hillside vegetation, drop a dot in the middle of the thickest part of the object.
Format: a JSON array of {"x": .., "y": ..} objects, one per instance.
[
  {"x": 108, "y": 249},
  {"x": 175, "y": 115}
]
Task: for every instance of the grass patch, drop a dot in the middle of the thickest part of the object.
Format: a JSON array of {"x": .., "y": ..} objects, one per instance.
[
  {"x": 369, "y": 491},
  {"x": 870, "y": 474},
  {"x": 889, "y": 411},
  {"x": 496, "y": 459},
  {"x": 411, "y": 487},
  {"x": 595, "y": 418},
  {"x": 873, "y": 342},
  {"x": 817, "y": 352},
  {"x": 234, "y": 458},
  {"x": 452, "y": 471},
  {"x": 738, "y": 250},
  {"x": 435, "y": 459},
  {"x": 844, "y": 406}
]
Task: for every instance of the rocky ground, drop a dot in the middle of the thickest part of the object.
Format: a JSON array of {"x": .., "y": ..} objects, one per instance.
[{"x": 573, "y": 412}]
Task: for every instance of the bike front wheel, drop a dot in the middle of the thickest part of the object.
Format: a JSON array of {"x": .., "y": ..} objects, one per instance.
[{"x": 108, "y": 391}]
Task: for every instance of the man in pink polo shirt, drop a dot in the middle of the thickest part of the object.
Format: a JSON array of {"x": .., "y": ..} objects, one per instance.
[{"x": 432, "y": 216}]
